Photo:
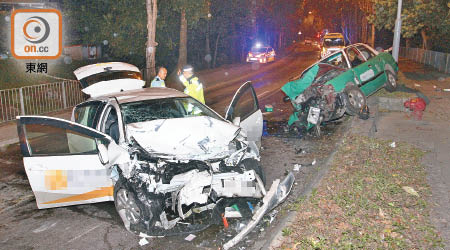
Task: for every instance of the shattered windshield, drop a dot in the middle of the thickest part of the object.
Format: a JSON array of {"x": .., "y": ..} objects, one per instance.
[
  {"x": 334, "y": 42},
  {"x": 169, "y": 108}
]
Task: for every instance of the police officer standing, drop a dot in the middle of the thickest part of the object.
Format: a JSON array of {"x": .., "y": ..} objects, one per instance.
[
  {"x": 193, "y": 86},
  {"x": 158, "y": 81}
]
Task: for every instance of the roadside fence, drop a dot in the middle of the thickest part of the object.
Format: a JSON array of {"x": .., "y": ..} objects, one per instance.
[
  {"x": 438, "y": 60},
  {"x": 39, "y": 99}
]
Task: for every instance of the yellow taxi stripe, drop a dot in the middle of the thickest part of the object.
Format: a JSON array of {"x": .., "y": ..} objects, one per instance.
[{"x": 102, "y": 192}]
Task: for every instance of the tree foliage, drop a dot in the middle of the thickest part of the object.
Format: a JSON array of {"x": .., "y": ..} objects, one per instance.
[{"x": 429, "y": 18}]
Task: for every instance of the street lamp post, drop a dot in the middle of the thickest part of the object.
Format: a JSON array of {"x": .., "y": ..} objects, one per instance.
[{"x": 397, "y": 31}]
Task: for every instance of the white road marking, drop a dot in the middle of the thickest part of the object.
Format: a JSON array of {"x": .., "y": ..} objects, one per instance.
[
  {"x": 259, "y": 96},
  {"x": 44, "y": 227},
  {"x": 84, "y": 233}
]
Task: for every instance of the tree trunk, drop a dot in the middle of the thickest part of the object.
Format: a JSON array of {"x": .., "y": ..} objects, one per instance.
[
  {"x": 215, "y": 50},
  {"x": 372, "y": 37},
  {"x": 207, "y": 48},
  {"x": 152, "y": 13},
  {"x": 408, "y": 42},
  {"x": 426, "y": 43},
  {"x": 182, "y": 52}
]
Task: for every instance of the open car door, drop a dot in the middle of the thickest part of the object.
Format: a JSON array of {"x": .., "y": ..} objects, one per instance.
[
  {"x": 244, "y": 111},
  {"x": 63, "y": 163}
]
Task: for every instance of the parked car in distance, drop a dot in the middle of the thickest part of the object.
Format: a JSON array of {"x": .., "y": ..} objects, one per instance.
[
  {"x": 261, "y": 54},
  {"x": 308, "y": 41},
  {"x": 338, "y": 84}
]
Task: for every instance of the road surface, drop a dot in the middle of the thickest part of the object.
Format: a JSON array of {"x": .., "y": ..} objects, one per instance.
[{"x": 98, "y": 226}]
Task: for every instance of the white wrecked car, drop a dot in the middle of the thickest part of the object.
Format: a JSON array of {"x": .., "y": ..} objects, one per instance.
[{"x": 160, "y": 155}]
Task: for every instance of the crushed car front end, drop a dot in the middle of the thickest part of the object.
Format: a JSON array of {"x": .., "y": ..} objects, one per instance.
[{"x": 159, "y": 192}]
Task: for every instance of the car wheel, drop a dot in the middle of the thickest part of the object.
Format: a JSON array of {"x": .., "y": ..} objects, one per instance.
[
  {"x": 252, "y": 164},
  {"x": 354, "y": 100},
  {"x": 135, "y": 214},
  {"x": 391, "y": 83},
  {"x": 127, "y": 207}
]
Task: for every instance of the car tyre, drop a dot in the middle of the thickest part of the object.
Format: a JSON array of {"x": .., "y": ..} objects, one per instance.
[
  {"x": 354, "y": 100},
  {"x": 134, "y": 214},
  {"x": 391, "y": 82}
]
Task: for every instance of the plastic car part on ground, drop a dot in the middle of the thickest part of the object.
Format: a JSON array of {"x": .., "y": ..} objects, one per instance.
[{"x": 276, "y": 194}]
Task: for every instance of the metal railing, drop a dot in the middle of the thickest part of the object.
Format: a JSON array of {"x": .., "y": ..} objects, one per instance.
[
  {"x": 438, "y": 60},
  {"x": 39, "y": 99}
]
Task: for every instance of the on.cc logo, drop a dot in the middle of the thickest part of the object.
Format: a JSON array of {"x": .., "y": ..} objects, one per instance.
[
  {"x": 36, "y": 29},
  {"x": 36, "y": 33}
]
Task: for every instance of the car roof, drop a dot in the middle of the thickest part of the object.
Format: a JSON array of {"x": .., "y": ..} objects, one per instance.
[
  {"x": 142, "y": 94},
  {"x": 337, "y": 51},
  {"x": 334, "y": 35}
]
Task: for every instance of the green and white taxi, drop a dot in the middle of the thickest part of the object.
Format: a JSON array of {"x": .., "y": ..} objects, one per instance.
[{"x": 339, "y": 84}]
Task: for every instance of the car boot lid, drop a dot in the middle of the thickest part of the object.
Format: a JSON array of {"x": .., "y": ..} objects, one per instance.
[
  {"x": 112, "y": 85},
  {"x": 93, "y": 69}
]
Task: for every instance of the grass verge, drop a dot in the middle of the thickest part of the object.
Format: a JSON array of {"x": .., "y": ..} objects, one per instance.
[{"x": 367, "y": 201}]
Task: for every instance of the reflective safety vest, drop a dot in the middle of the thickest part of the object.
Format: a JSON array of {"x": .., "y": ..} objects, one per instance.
[
  {"x": 157, "y": 82},
  {"x": 193, "y": 87}
]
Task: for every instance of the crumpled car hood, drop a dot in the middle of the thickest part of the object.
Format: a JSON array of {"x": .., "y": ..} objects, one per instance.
[{"x": 191, "y": 138}]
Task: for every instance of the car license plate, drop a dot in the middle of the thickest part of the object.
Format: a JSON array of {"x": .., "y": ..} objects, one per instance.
[
  {"x": 253, "y": 59},
  {"x": 313, "y": 115}
]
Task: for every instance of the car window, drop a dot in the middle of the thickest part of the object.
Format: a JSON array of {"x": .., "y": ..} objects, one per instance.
[
  {"x": 367, "y": 53},
  {"x": 111, "y": 125},
  {"x": 50, "y": 140},
  {"x": 169, "y": 108},
  {"x": 88, "y": 114},
  {"x": 333, "y": 42},
  {"x": 337, "y": 60},
  {"x": 354, "y": 56},
  {"x": 244, "y": 105},
  {"x": 259, "y": 50}
]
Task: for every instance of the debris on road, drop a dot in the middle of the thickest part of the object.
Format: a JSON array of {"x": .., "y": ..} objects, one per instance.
[
  {"x": 297, "y": 167},
  {"x": 225, "y": 221},
  {"x": 190, "y": 237},
  {"x": 250, "y": 207},
  {"x": 300, "y": 151},
  {"x": 143, "y": 242},
  {"x": 232, "y": 212},
  {"x": 277, "y": 193},
  {"x": 417, "y": 85},
  {"x": 268, "y": 108},
  {"x": 392, "y": 145},
  {"x": 410, "y": 191}
]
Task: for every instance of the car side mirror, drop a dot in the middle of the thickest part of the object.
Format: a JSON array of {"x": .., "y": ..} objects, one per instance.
[
  {"x": 103, "y": 154},
  {"x": 237, "y": 121},
  {"x": 286, "y": 99}
]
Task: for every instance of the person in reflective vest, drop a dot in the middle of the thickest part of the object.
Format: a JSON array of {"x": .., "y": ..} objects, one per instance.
[
  {"x": 158, "y": 81},
  {"x": 193, "y": 86}
]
